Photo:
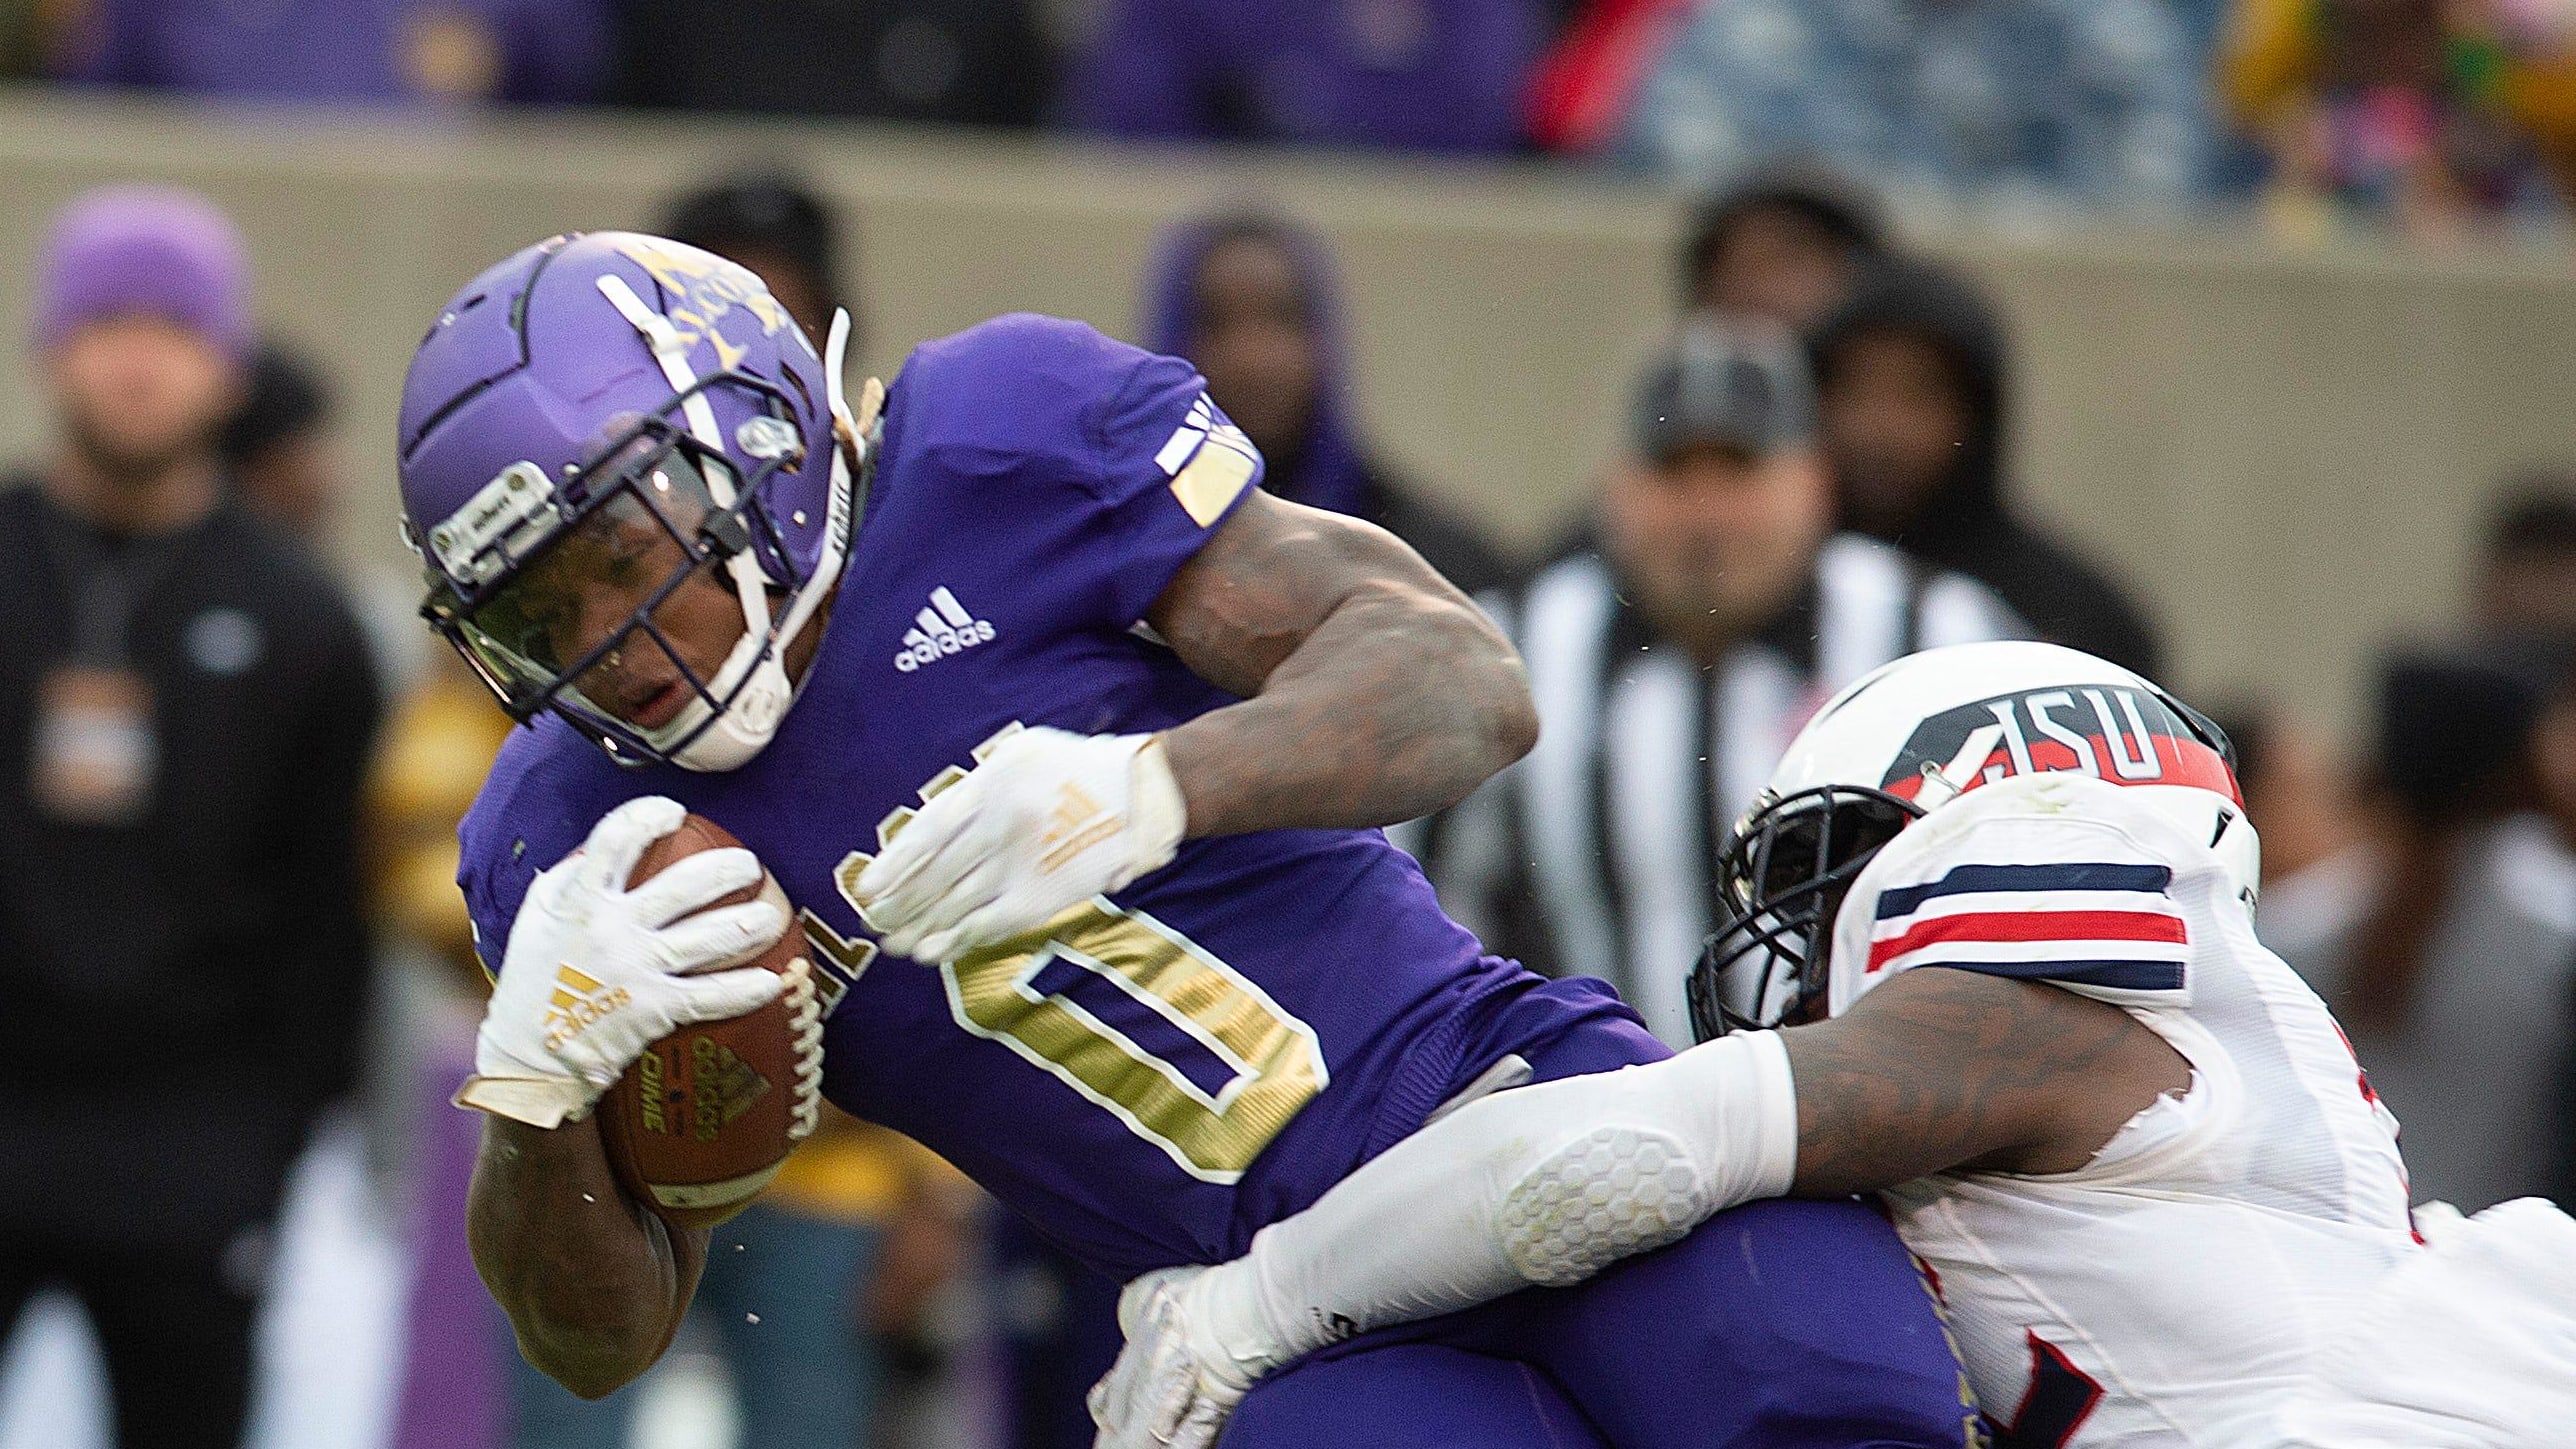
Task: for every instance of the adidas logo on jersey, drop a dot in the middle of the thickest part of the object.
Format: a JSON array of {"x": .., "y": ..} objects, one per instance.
[{"x": 943, "y": 629}]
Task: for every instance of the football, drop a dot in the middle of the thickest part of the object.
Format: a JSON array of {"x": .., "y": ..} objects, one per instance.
[{"x": 699, "y": 1125}]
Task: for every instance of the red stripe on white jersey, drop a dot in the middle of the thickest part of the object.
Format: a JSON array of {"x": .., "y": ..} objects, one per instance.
[{"x": 2024, "y": 926}]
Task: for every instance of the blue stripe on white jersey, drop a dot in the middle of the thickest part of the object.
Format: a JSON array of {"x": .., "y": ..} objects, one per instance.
[
  {"x": 2077, "y": 876},
  {"x": 2110, "y": 926}
]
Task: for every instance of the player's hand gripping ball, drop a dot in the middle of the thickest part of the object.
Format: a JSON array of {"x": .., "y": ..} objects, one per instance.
[{"x": 656, "y": 967}]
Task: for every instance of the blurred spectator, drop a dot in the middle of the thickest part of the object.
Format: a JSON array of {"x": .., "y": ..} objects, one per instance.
[
  {"x": 2527, "y": 581},
  {"x": 773, "y": 223},
  {"x": 2453, "y": 981},
  {"x": 277, "y": 446},
  {"x": 2294, "y": 793},
  {"x": 1673, "y": 665},
  {"x": 2456, "y": 756},
  {"x": 26, "y": 27},
  {"x": 981, "y": 61},
  {"x": 2318, "y": 867},
  {"x": 2435, "y": 115},
  {"x": 1913, "y": 374},
  {"x": 1422, "y": 75},
  {"x": 1059, "y": 1334},
  {"x": 1786, "y": 243},
  {"x": 286, "y": 465},
  {"x": 438, "y": 746},
  {"x": 1251, "y": 299},
  {"x": 527, "y": 51},
  {"x": 193, "y": 707},
  {"x": 1995, "y": 101}
]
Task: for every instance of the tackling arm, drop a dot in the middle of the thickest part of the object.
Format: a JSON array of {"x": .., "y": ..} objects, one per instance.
[
  {"x": 1943, "y": 1069},
  {"x": 1936, "y": 1070},
  {"x": 1374, "y": 692}
]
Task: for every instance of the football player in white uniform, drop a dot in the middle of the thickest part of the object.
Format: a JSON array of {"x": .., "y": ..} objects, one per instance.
[{"x": 1989, "y": 954}]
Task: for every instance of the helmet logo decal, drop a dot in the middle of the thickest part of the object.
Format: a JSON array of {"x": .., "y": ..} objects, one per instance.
[
  {"x": 2110, "y": 732},
  {"x": 703, "y": 288}
]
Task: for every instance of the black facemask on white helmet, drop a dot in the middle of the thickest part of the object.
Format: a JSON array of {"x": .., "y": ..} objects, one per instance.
[{"x": 1906, "y": 740}]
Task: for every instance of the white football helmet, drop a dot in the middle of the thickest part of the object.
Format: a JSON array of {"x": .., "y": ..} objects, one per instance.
[{"x": 1903, "y": 741}]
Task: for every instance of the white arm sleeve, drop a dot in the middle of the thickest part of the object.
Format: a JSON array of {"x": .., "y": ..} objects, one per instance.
[{"x": 1543, "y": 1185}]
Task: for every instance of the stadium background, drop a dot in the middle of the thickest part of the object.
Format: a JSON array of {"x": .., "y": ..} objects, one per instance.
[{"x": 2285, "y": 446}]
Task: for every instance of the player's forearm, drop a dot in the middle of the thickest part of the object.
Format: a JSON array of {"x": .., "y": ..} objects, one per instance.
[
  {"x": 1397, "y": 705},
  {"x": 1941, "y": 1069},
  {"x": 593, "y": 1284},
  {"x": 1543, "y": 1185}
]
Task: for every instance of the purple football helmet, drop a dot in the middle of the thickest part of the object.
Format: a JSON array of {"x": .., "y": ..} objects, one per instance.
[{"x": 601, "y": 434}]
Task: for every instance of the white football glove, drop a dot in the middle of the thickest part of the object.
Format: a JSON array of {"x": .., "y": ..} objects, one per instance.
[
  {"x": 595, "y": 972},
  {"x": 1046, "y": 821},
  {"x": 1195, "y": 1346}
]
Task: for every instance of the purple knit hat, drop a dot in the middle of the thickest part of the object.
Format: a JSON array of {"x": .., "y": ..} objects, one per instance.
[{"x": 157, "y": 250}]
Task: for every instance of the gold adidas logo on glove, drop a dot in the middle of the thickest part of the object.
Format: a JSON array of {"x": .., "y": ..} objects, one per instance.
[
  {"x": 578, "y": 1002},
  {"x": 1077, "y": 823}
]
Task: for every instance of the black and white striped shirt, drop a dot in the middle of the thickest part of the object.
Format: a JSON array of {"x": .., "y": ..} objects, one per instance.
[{"x": 1596, "y": 855}]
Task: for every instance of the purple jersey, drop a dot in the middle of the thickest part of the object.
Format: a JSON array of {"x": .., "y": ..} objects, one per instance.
[{"x": 1183, "y": 1062}]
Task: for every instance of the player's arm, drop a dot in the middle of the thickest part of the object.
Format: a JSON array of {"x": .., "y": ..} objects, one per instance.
[
  {"x": 1373, "y": 691},
  {"x": 1944, "y": 1069},
  {"x": 594, "y": 1285},
  {"x": 1937, "y": 1069},
  {"x": 595, "y": 972}
]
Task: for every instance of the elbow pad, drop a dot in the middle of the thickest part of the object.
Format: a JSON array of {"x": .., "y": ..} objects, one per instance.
[
  {"x": 1641, "y": 1156},
  {"x": 1543, "y": 1185}
]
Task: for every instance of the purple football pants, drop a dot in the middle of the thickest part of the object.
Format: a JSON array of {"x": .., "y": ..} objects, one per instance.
[{"x": 1778, "y": 1325}]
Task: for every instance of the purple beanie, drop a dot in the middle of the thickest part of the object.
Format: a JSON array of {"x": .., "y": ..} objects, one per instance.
[{"x": 157, "y": 250}]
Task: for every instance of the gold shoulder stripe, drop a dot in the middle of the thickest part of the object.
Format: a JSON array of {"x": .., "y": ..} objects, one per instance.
[{"x": 1211, "y": 481}]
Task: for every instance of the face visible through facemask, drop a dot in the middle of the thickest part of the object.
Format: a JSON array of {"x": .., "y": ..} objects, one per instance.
[{"x": 621, "y": 599}]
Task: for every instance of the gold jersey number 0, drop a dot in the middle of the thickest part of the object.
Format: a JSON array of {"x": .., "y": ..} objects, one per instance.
[{"x": 1274, "y": 1063}]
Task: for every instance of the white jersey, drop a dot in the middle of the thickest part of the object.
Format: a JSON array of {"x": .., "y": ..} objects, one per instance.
[{"x": 2175, "y": 1289}]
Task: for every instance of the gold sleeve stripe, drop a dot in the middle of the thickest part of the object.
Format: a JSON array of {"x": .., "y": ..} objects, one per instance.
[{"x": 1211, "y": 481}]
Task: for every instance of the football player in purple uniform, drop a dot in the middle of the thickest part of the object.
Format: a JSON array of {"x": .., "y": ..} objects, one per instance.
[{"x": 1070, "y": 744}]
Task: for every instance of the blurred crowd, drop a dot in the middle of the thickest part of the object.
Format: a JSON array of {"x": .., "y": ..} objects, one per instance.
[
  {"x": 235, "y": 832},
  {"x": 2442, "y": 118}
]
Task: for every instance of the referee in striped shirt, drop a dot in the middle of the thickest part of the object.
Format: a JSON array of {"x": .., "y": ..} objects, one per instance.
[{"x": 1673, "y": 655}]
